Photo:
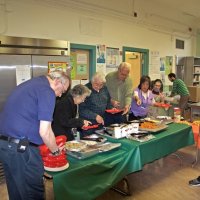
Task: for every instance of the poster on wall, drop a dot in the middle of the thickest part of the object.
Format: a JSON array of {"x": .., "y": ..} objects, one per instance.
[
  {"x": 73, "y": 65},
  {"x": 101, "y": 67},
  {"x": 52, "y": 66},
  {"x": 168, "y": 64},
  {"x": 154, "y": 66},
  {"x": 82, "y": 58},
  {"x": 162, "y": 64},
  {"x": 101, "y": 53},
  {"x": 112, "y": 57},
  {"x": 101, "y": 58},
  {"x": 166, "y": 68},
  {"x": 81, "y": 69},
  {"x": 23, "y": 73}
]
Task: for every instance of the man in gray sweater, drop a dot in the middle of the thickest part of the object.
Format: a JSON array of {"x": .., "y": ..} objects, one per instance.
[{"x": 120, "y": 87}]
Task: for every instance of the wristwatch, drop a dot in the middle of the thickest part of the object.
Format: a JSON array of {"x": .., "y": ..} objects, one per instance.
[{"x": 56, "y": 153}]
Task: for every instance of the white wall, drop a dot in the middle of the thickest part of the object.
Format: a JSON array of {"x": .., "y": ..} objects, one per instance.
[{"x": 28, "y": 18}]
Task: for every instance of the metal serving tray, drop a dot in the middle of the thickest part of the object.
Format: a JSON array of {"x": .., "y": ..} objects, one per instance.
[
  {"x": 162, "y": 127},
  {"x": 93, "y": 150},
  {"x": 88, "y": 152}
]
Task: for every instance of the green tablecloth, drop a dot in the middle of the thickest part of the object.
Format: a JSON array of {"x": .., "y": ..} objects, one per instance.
[{"x": 87, "y": 179}]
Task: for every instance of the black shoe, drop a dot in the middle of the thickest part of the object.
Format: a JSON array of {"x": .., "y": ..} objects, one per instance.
[{"x": 195, "y": 182}]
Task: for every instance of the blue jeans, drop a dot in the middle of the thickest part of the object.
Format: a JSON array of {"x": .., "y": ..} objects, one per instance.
[{"x": 23, "y": 172}]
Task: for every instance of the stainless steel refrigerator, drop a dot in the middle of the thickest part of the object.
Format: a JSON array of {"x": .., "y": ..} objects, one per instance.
[{"x": 36, "y": 53}]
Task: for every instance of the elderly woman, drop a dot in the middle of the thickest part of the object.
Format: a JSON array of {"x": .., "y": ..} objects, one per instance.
[
  {"x": 142, "y": 99},
  {"x": 66, "y": 114}
]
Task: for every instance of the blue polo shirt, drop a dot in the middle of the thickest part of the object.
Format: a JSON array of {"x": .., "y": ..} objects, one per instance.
[{"x": 30, "y": 102}]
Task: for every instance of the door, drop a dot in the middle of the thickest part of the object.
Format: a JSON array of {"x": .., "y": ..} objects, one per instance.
[
  {"x": 139, "y": 60},
  {"x": 135, "y": 59}
]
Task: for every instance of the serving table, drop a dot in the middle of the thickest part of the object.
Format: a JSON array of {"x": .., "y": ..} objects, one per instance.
[{"x": 89, "y": 178}]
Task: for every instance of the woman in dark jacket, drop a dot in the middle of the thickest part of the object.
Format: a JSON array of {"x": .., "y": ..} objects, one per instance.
[{"x": 66, "y": 115}]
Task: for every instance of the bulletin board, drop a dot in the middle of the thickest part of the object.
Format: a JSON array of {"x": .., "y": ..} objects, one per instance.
[{"x": 79, "y": 60}]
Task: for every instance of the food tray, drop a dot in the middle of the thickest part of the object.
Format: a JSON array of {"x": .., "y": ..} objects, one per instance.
[
  {"x": 160, "y": 119},
  {"x": 75, "y": 145},
  {"x": 108, "y": 146},
  {"x": 89, "y": 151},
  {"x": 162, "y": 127}
]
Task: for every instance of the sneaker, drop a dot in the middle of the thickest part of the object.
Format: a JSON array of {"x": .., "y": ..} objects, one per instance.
[{"x": 195, "y": 182}]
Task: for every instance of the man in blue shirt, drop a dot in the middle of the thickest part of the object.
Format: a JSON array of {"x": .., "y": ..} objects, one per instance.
[{"x": 25, "y": 123}]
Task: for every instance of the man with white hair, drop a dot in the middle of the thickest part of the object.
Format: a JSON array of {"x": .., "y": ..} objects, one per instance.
[
  {"x": 94, "y": 106},
  {"x": 120, "y": 87},
  {"x": 25, "y": 123}
]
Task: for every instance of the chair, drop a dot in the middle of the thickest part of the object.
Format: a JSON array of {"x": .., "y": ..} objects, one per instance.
[{"x": 196, "y": 131}]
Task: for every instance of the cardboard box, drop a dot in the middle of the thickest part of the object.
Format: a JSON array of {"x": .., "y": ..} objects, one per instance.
[{"x": 194, "y": 93}]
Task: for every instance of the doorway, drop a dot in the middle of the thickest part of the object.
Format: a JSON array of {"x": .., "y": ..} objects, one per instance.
[{"x": 139, "y": 60}]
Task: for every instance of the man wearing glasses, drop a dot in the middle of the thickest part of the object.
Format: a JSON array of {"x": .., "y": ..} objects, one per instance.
[
  {"x": 25, "y": 123},
  {"x": 120, "y": 87}
]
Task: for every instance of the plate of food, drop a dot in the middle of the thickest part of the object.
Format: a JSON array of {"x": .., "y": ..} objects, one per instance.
[
  {"x": 75, "y": 145},
  {"x": 152, "y": 127},
  {"x": 114, "y": 110}
]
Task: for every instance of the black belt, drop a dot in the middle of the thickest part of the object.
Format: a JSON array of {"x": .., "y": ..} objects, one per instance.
[{"x": 15, "y": 140}]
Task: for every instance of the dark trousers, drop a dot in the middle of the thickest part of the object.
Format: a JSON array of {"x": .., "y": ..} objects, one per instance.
[
  {"x": 183, "y": 104},
  {"x": 23, "y": 172}
]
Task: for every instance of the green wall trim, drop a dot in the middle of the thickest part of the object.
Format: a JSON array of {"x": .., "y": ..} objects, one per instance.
[
  {"x": 145, "y": 52},
  {"x": 92, "y": 53}
]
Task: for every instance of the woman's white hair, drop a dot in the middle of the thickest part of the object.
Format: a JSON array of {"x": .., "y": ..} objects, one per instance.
[
  {"x": 80, "y": 90},
  {"x": 99, "y": 77}
]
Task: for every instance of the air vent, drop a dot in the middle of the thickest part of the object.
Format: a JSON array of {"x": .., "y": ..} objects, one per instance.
[{"x": 179, "y": 44}]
